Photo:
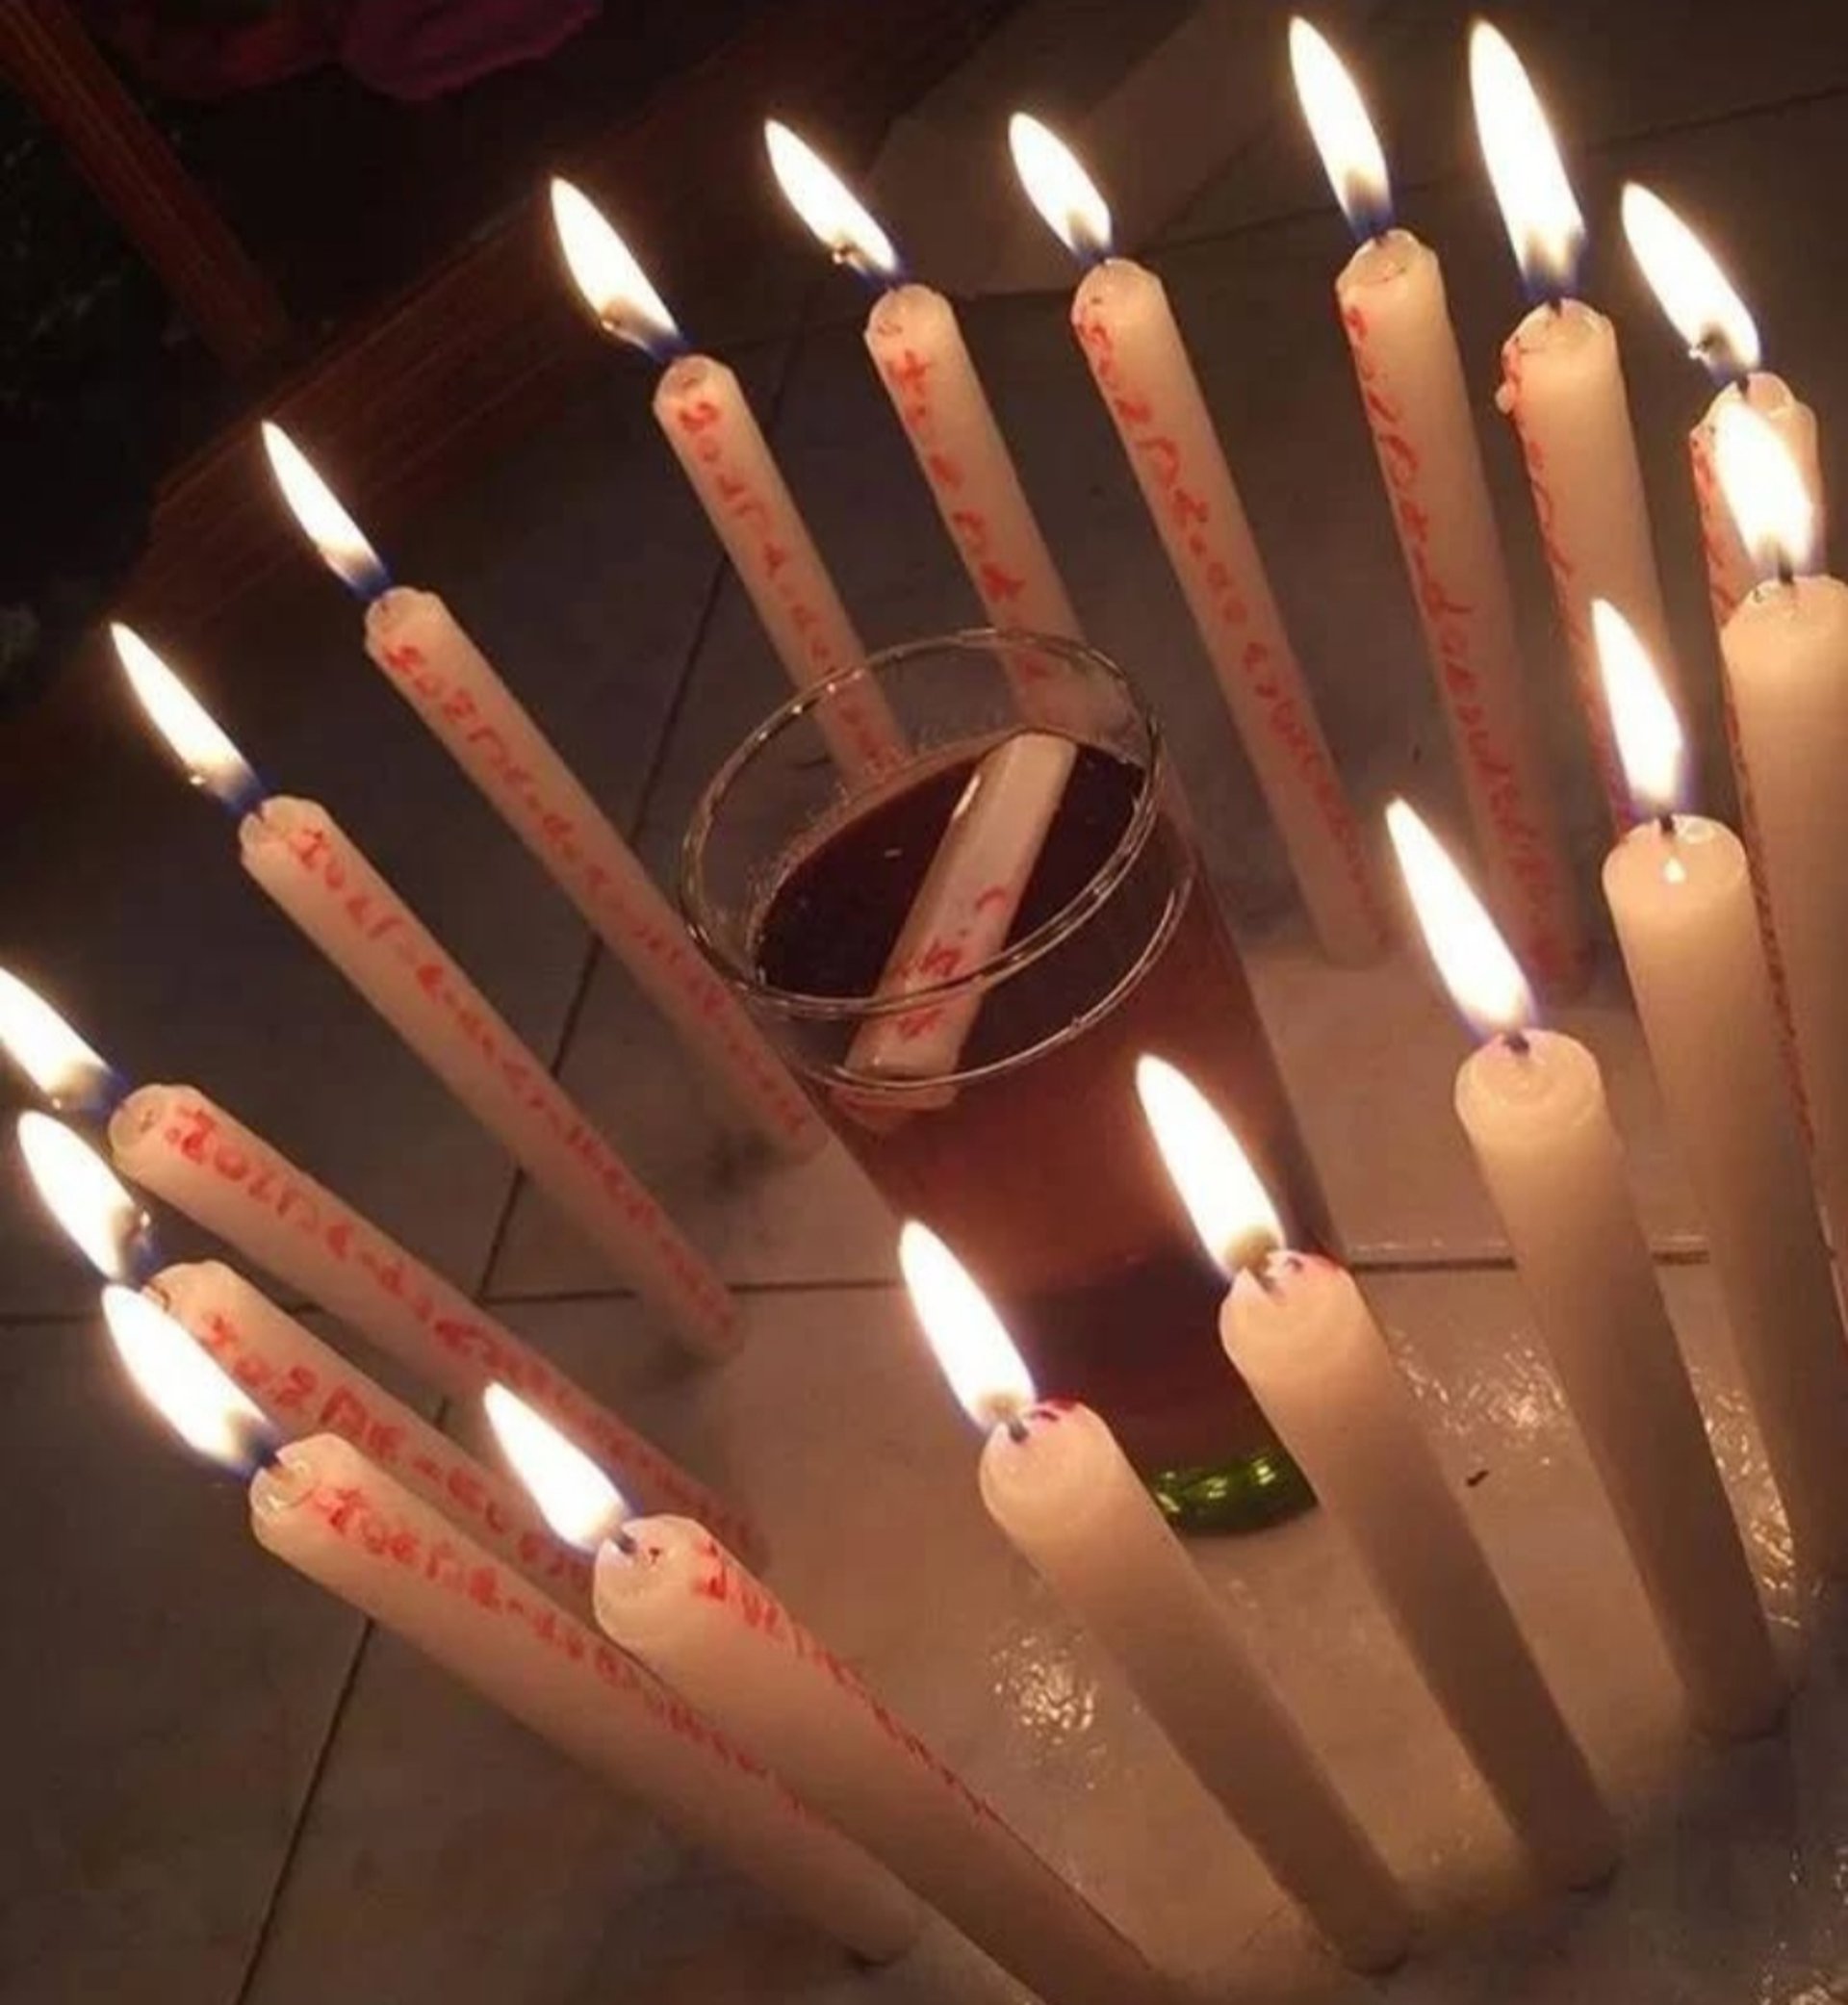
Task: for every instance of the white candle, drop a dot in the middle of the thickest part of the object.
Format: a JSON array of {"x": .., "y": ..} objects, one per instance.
[
  {"x": 669, "y": 1592},
  {"x": 321, "y": 1506},
  {"x": 1562, "y": 386},
  {"x": 918, "y": 350},
  {"x": 1057, "y": 1485},
  {"x": 1720, "y": 332},
  {"x": 1532, "y": 1105},
  {"x": 189, "y": 1152},
  {"x": 433, "y": 665},
  {"x": 1392, "y": 305},
  {"x": 313, "y": 872},
  {"x": 966, "y": 907},
  {"x": 1304, "y": 1341},
  {"x": 1127, "y": 332},
  {"x": 303, "y": 1386},
  {"x": 1785, "y": 657},
  {"x": 702, "y": 413},
  {"x": 1688, "y": 920}
]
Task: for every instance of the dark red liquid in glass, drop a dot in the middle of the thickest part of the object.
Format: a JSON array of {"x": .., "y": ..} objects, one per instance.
[{"x": 1041, "y": 1173}]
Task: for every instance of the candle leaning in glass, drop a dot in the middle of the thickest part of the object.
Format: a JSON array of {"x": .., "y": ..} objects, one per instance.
[
  {"x": 1680, "y": 891},
  {"x": 318, "y": 1506},
  {"x": 1056, "y": 1482},
  {"x": 1028, "y": 1156},
  {"x": 668, "y": 1592},
  {"x": 1302, "y": 1337},
  {"x": 1131, "y": 341},
  {"x": 1784, "y": 655},
  {"x": 1532, "y": 1105},
  {"x": 702, "y": 411},
  {"x": 299, "y": 1384},
  {"x": 430, "y": 661},
  {"x": 1562, "y": 387},
  {"x": 1721, "y": 335},
  {"x": 186, "y": 1149},
  {"x": 318, "y": 877},
  {"x": 1391, "y": 302}
]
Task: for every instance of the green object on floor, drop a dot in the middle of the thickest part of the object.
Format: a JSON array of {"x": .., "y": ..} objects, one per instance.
[{"x": 1242, "y": 1495}]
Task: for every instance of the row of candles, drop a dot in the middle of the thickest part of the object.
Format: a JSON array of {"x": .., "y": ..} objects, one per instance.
[
  {"x": 709, "y": 1678},
  {"x": 354, "y": 1489},
  {"x": 700, "y": 1677}
]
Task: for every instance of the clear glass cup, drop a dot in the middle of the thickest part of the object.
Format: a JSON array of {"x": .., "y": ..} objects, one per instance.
[{"x": 1029, "y": 1155}]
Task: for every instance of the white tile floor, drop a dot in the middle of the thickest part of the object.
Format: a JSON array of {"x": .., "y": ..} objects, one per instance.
[{"x": 224, "y": 1792}]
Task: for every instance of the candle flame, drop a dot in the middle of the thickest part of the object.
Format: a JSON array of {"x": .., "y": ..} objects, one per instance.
[
  {"x": 1764, "y": 488},
  {"x": 210, "y": 758},
  {"x": 1223, "y": 1194},
  {"x": 1342, "y": 132},
  {"x": 1530, "y": 186},
  {"x": 339, "y": 538},
  {"x": 97, "y": 1210},
  {"x": 50, "y": 1052},
  {"x": 574, "y": 1497},
  {"x": 1650, "y": 739},
  {"x": 1694, "y": 292},
  {"x": 1059, "y": 188},
  {"x": 197, "y": 1398},
  {"x": 1472, "y": 960},
  {"x": 604, "y": 269},
  {"x": 828, "y": 206},
  {"x": 987, "y": 1374}
]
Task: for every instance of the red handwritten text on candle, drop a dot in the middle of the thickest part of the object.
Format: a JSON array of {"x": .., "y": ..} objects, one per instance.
[
  {"x": 507, "y": 756},
  {"x": 766, "y": 523},
  {"x": 1005, "y": 559},
  {"x": 1569, "y": 597},
  {"x": 309, "y": 1402},
  {"x": 719, "y": 1580},
  {"x": 1198, "y": 548},
  {"x": 362, "y": 1520},
  {"x": 1507, "y": 797},
  {"x": 462, "y": 1349},
  {"x": 350, "y": 891}
]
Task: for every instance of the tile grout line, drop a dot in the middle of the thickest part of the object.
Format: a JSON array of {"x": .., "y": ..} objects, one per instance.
[{"x": 496, "y": 1238}]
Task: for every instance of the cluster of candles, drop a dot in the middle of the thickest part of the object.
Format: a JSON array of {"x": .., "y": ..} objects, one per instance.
[{"x": 642, "y": 1645}]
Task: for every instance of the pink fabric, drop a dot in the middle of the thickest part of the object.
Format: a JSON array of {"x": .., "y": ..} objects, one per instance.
[{"x": 408, "y": 49}]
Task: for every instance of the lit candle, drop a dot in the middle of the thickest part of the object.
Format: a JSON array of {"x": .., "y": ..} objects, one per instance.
[
  {"x": 323, "y": 1509},
  {"x": 433, "y": 665},
  {"x": 1390, "y": 296},
  {"x": 667, "y": 1591},
  {"x": 1680, "y": 891},
  {"x": 299, "y": 1384},
  {"x": 191, "y": 1153},
  {"x": 1785, "y": 656},
  {"x": 919, "y": 353},
  {"x": 314, "y": 871},
  {"x": 1305, "y": 1341},
  {"x": 1057, "y": 1483},
  {"x": 1532, "y": 1105},
  {"x": 1129, "y": 337},
  {"x": 1562, "y": 386},
  {"x": 701, "y": 410},
  {"x": 1721, "y": 335}
]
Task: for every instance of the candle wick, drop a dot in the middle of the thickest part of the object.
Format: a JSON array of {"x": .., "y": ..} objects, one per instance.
[
  {"x": 623, "y": 1543},
  {"x": 1517, "y": 1042},
  {"x": 1786, "y": 572},
  {"x": 1665, "y": 821},
  {"x": 1017, "y": 1426}
]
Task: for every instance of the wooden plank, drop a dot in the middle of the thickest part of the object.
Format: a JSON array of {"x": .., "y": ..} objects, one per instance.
[{"x": 402, "y": 404}]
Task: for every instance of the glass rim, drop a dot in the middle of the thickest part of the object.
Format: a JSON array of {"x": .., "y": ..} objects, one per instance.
[{"x": 748, "y": 980}]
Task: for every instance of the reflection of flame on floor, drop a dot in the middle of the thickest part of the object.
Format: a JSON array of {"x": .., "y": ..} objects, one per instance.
[{"x": 1044, "y": 1690}]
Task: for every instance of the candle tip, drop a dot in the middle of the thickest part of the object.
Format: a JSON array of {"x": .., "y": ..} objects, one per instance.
[
  {"x": 1342, "y": 133},
  {"x": 971, "y": 1345},
  {"x": 608, "y": 278},
  {"x": 211, "y": 760},
  {"x": 574, "y": 1495},
  {"x": 50, "y": 1052},
  {"x": 1697, "y": 296},
  {"x": 190, "y": 1390},
  {"x": 1472, "y": 961},
  {"x": 1538, "y": 207}
]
